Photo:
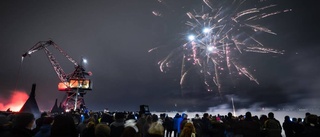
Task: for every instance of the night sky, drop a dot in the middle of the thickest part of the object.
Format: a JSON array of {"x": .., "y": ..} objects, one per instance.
[{"x": 115, "y": 36}]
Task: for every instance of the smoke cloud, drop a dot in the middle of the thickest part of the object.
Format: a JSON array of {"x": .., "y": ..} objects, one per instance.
[{"x": 14, "y": 102}]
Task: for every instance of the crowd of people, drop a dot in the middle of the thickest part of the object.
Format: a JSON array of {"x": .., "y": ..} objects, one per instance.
[{"x": 130, "y": 124}]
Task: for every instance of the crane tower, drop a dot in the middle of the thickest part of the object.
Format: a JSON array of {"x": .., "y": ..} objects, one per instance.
[{"x": 74, "y": 84}]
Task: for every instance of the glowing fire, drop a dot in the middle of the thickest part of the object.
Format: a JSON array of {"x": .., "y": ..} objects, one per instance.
[{"x": 15, "y": 102}]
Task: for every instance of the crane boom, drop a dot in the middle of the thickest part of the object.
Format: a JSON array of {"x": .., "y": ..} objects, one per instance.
[
  {"x": 56, "y": 66},
  {"x": 42, "y": 45}
]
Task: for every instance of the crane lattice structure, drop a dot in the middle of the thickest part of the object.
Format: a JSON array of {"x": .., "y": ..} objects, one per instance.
[{"x": 75, "y": 84}]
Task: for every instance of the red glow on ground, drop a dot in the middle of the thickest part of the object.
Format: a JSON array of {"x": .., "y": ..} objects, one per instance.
[{"x": 15, "y": 102}]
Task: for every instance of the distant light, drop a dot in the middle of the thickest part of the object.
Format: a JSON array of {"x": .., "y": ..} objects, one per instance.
[
  {"x": 206, "y": 30},
  {"x": 191, "y": 37},
  {"x": 85, "y": 61}
]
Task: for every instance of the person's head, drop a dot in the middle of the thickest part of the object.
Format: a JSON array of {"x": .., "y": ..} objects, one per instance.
[
  {"x": 44, "y": 114},
  {"x": 23, "y": 120},
  {"x": 162, "y": 116},
  {"x": 286, "y": 118},
  {"x": 270, "y": 115},
  {"x": 241, "y": 117},
  {"x": 312, "y": 119},
  {"x": 299, "y": 119},
  {"x": 187, "y": 130},
  {"x": 205, "y": 115},
  {"x": 184, "y": 116},
  {"x": 248, "y": 115},
  {"x": 102, "y": 130},
  {"x": 155, "y": 118},
  {"x": 263, "y": 118},
  {"x": 63, "y": 126},
  {"x": 294, "y": 119},
  {"x": 90, "y": 124},
  {"x": 177, "y": 115},
  {"x": 119, "y": 116},
  {"x": 129, "y": 132},
  {"x": 307, "y": 114}
]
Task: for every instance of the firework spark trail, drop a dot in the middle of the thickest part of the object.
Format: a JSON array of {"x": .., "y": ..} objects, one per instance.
[
  {"x": 207, "y": 2},
  {"x": 222, "y": 31},
  {"x": 257, "y": 27},
  {"x": 156, "y": 13},
  {"x": 153, "y": 49},
  {"x": 216, "y": 78},
  {"x": 263, "y": 50},
  {"x": 243, "y": 70}
]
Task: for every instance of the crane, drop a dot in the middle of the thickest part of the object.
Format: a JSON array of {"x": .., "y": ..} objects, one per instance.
[{"x": 75, "y": 84}]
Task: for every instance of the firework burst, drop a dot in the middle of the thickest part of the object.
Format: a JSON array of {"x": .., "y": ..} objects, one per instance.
[{"x": 220, "y": 32}]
